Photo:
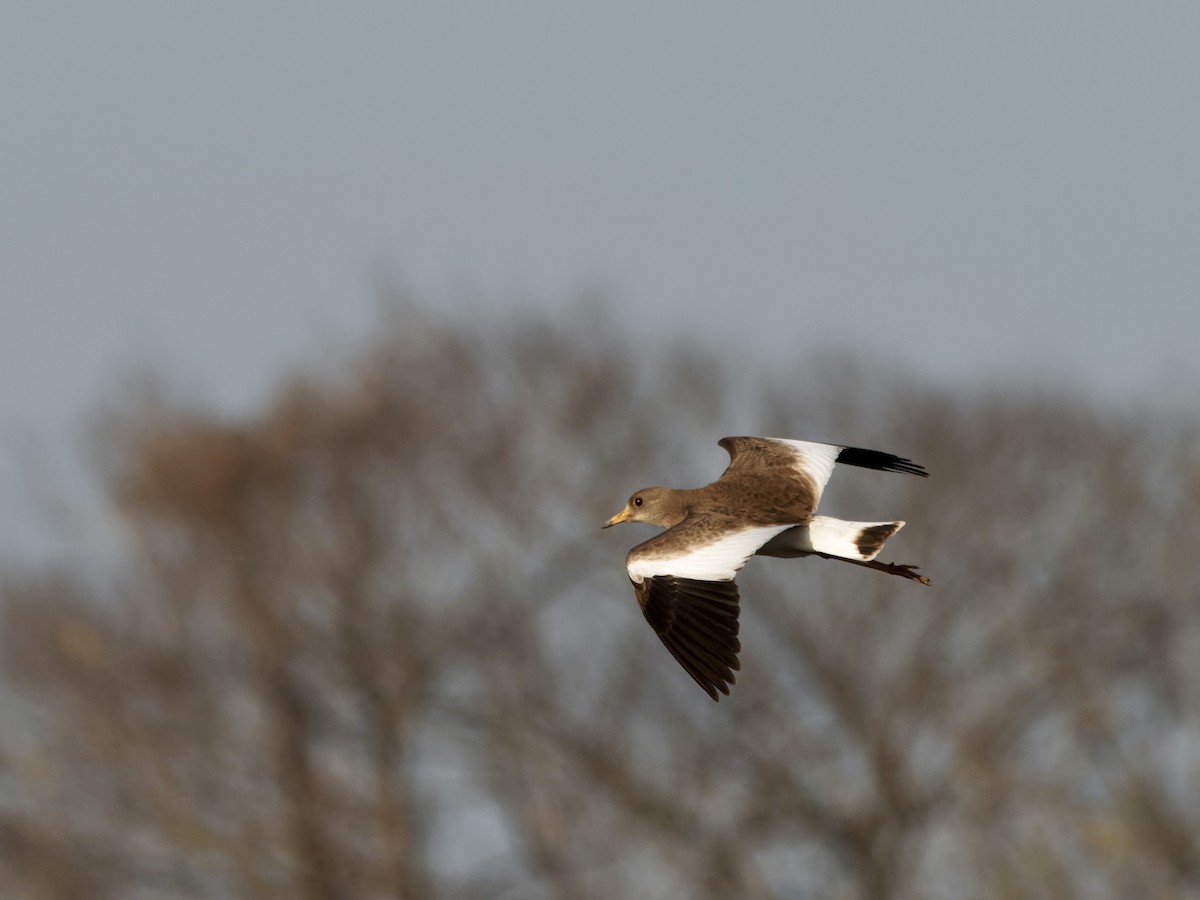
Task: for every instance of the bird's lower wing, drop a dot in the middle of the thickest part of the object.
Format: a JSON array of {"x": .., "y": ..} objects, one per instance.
[
  {"x": 683, "y": 579},
  {"x": 697, "y": 621}
]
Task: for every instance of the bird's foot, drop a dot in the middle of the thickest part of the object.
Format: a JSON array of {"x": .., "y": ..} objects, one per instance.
[{"x": 904, "y": 571}]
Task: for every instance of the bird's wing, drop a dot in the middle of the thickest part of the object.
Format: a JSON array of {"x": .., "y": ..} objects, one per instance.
[
  {"x": 683, "y": 580},
  {"x": 697, "y": 621},
  {"x": 809, "y": 462},
  {"x": 704, "y": 547}
]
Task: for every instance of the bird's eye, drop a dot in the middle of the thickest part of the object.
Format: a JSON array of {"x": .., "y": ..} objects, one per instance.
[{"x": 637, "y": 501}]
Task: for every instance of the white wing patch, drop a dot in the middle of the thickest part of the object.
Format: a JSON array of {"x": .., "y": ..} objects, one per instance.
[
  {"x": 718, "y": 560},
  {"x": 815, "y": 460}
]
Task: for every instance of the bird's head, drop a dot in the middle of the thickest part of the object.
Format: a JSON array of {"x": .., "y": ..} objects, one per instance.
[{"x": 654, "y": 506}]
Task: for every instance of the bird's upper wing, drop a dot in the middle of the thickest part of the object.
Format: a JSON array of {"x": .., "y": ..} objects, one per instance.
[
  {"x": 809, "y": 463},
  {"x": 683, "y": 580}
]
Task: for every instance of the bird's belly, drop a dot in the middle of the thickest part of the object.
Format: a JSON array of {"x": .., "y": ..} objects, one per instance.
[{"x": 788, "y": 544}]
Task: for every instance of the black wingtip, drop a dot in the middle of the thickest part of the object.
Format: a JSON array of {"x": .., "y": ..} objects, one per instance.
[{"x": 883, "y": 462}]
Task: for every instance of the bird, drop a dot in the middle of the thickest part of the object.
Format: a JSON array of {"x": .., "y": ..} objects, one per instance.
[{"x": 763, "y": 504}]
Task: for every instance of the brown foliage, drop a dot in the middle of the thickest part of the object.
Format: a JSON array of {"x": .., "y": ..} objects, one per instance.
[{"x": 372, "y": 643}]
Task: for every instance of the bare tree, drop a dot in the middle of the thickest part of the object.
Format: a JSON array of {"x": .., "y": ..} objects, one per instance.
[{"x": 370, "y": 643}]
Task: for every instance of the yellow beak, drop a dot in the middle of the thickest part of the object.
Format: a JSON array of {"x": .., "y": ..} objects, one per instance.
[{"x": 622, "y": 516}]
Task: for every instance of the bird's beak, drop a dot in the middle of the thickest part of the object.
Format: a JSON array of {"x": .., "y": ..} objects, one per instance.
[{"x": 622, "y": 516}]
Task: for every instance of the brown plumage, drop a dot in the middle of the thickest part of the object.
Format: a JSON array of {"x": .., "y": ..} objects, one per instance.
[{"x": 764, "y": 503}]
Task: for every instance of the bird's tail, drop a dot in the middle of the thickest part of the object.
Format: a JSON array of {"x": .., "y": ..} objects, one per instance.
[{"x": 849, "y": 540}]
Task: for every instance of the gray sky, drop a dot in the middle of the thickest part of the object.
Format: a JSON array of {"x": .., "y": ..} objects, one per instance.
[{"x": 973, "y": 189}]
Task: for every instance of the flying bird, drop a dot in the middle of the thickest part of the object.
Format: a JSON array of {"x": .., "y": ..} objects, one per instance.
[{"x": 763, "y": 504}]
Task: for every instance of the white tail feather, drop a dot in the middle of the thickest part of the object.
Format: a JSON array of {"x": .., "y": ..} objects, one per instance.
[{"x": 849, "y": 540}]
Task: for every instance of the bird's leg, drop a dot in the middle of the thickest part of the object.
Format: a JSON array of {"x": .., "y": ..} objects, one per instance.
[{"x": 909, "y": 572}]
